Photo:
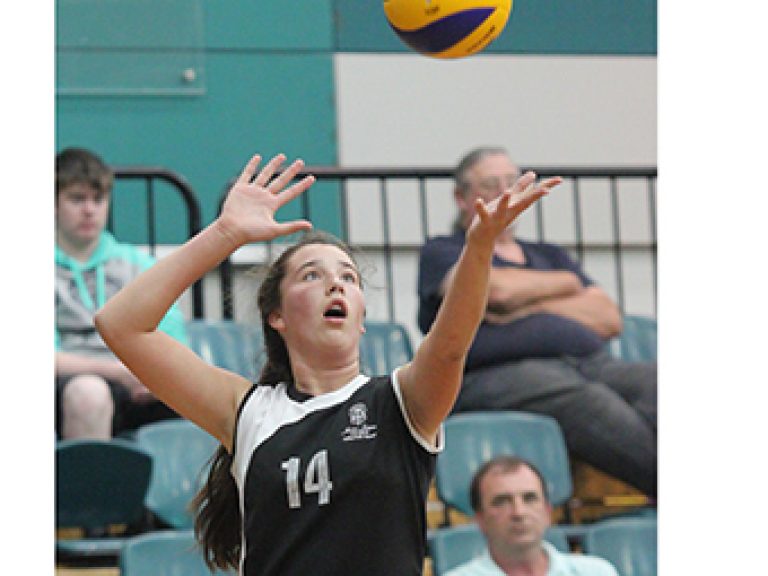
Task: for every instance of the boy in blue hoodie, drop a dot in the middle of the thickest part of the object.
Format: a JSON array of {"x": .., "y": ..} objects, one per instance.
[{"x": 96, "y": 395}]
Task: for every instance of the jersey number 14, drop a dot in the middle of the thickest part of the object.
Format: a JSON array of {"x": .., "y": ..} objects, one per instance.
[{"x": 317, "y": 479}]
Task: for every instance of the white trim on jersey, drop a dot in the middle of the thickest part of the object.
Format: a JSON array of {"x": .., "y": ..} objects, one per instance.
[
  {"x": 268, "y": 408},
  {"x": 423, "y": 442}
]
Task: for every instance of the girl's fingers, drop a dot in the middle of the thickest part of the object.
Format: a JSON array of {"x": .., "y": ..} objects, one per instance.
[
  {"x": 551, "y": 182},
  {"x": 286, "y": 228},
  {"x": 481, "y": 210},
  {"x": 266, "y": 173},
  {"x": 286, "y": 176},
  {"x": 249, "y": 170},
  {"x": 297, "y": 189},
  {"x": 524, "y": 181}
]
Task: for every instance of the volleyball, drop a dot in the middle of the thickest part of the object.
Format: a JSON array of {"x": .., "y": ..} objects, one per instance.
[{"x": 447, "y": 28}]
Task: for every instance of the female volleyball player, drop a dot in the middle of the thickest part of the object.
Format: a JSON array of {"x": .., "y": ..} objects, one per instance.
[{"x": 321, "y": 470}]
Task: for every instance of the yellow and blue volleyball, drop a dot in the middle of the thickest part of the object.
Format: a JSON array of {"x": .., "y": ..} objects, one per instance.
[{"x": 447, "y": 28}]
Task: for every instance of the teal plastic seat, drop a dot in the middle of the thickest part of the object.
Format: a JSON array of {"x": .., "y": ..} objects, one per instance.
[
  {"x": 630, "y": 544},
  {"x": 236, "y": 346},
  {"x": 383, "y": 347},
  {"x": 98, "y": 484},
  {"x": 164, "y": 553},
  {"x": 450, "y": 547},
  {"x": 239, "y": 347},
  {"x": 180, "y": 451},
  {"x": 637, "y": 341},
  {"x": 472, "y": 438}
]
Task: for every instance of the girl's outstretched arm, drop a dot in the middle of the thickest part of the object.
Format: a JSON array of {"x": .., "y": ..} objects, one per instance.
[
  {"x": 207, "y": 395},
  {"x": 430, "y": 383}
]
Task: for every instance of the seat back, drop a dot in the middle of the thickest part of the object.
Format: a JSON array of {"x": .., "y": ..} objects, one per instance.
[
  {"x": 637, "y": 341},
  {"x": 239, "y": 347},
  {"x": 472, "y": 438},
  {"x": 383, "y": 347},
  {"x": 236, "y": 346},
  {"x": 164, "y": 553},
  {"x": 630, "y": 544},
  {"x": 99, "y": 483},
  {"x": 180, "y": 451},
  {"x": 450, "y": 547}
]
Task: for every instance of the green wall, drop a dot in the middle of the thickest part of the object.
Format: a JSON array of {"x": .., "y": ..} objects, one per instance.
[
  {"x": 534, "y": 27},
  {"x": 259, "y": 78},
  {"x": 263, "y": 83}
]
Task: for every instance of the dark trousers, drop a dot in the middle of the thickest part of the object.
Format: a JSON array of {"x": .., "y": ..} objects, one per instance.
[{"x": 606, "y": 408}]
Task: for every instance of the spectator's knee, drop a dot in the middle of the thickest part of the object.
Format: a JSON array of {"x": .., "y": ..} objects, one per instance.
[{"x": 87, "y": 407}]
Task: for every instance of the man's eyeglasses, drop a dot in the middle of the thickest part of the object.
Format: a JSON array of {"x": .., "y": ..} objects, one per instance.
[{"x": 495, "y": 183}]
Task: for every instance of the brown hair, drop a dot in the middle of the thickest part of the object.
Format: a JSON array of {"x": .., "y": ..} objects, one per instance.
[
  {"x": 503, "y": 463},
  {"x": 81, "y": 166},
  {"x": 218, "y": 521}
]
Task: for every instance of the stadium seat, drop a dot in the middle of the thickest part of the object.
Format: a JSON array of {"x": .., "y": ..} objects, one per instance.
[
  {"x": 449, "y": 547},
  {"x": 472, "y": 438},
  {"x": 638, "y": 340},
  {"x": 236, "y": 346},
  {"x": 628, "y": 543},
  {"x": 180, "y": 451},
  {"x": 98, "y": 484},
  {"x": 164, "y": 553},
  {"x": 383, "y": 347}
]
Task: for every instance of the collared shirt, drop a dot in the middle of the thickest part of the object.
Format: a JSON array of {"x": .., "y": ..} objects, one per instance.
[{"x": 560, "y": 564}]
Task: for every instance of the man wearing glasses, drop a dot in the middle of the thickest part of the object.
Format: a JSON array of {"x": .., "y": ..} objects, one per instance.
[{"x": 542, "y": 345}]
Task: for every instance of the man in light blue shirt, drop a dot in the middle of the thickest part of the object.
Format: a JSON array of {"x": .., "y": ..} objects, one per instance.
[{"x": 512, "y": 510}]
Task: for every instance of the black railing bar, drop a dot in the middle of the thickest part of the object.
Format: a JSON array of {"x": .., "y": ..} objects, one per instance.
[
  {"x": 190, "y": 201},
  {"x": 617, "y": 243},
  {"x": 443, "y": 172},
  {"x": 387, "y": 247},
  {"x": 539, "y": 212},
  {"x": 423, "y": 207},
  {"x": 654, "y": 239},
  {"x": 151, "y": 228},
  {"x": 577, "y": 220},
  {"x": 404, "y": 247},
  {"x": 344, "y": 198}
]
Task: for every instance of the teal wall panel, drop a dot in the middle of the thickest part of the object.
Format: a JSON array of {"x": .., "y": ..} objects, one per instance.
[
  {"x": 255, "y": 102},
  {"x": 129, "y": 23},
  {"x": 540, "y": 27},
  {"x": 272, "y": 25}
]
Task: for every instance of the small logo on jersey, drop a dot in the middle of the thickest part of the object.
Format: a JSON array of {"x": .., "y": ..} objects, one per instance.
[{"x": 359, "y": 430}]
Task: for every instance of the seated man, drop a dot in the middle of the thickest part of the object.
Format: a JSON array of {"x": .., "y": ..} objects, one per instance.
[
  {"x": 96, "y": 395},
  {"x": 542, "y": 345},
  {"x": 512, "y": 511}
]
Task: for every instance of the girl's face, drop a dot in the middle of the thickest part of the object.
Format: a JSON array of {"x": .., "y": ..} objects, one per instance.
[{"x": 321, "y": 298}]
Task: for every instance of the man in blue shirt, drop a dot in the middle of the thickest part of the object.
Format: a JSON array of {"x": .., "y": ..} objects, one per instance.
[
  {"x": 512, "y": 511},
  {"x": 542, "y": 345}
]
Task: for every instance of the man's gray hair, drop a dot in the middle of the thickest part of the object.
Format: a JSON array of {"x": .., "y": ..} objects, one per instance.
[{"x": 472, "y": 158}]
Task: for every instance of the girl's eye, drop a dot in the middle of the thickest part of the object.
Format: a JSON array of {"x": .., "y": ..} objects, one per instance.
[
  {"x": 349, "y": 277},
  {"x": 311, "y": 275}
]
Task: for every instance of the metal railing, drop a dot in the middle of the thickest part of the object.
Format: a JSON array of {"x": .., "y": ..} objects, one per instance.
[
  {"x": 150, "y": 176},
  {"x": 577, "y": 179}
]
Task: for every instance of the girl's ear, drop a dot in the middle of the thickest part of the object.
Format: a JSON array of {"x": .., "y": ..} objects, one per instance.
[
  {"x": 275, "y": 320},
  {"x": 362, "y": 328}
]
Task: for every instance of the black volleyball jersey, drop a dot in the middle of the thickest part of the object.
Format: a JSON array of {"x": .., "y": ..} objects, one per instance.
[{"x": 334, "y": 484}]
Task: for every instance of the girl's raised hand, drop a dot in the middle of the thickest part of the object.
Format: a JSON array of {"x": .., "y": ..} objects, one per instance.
[
  {"x": 248, "y": 213},
  {"x": 492, "y": 218}
]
